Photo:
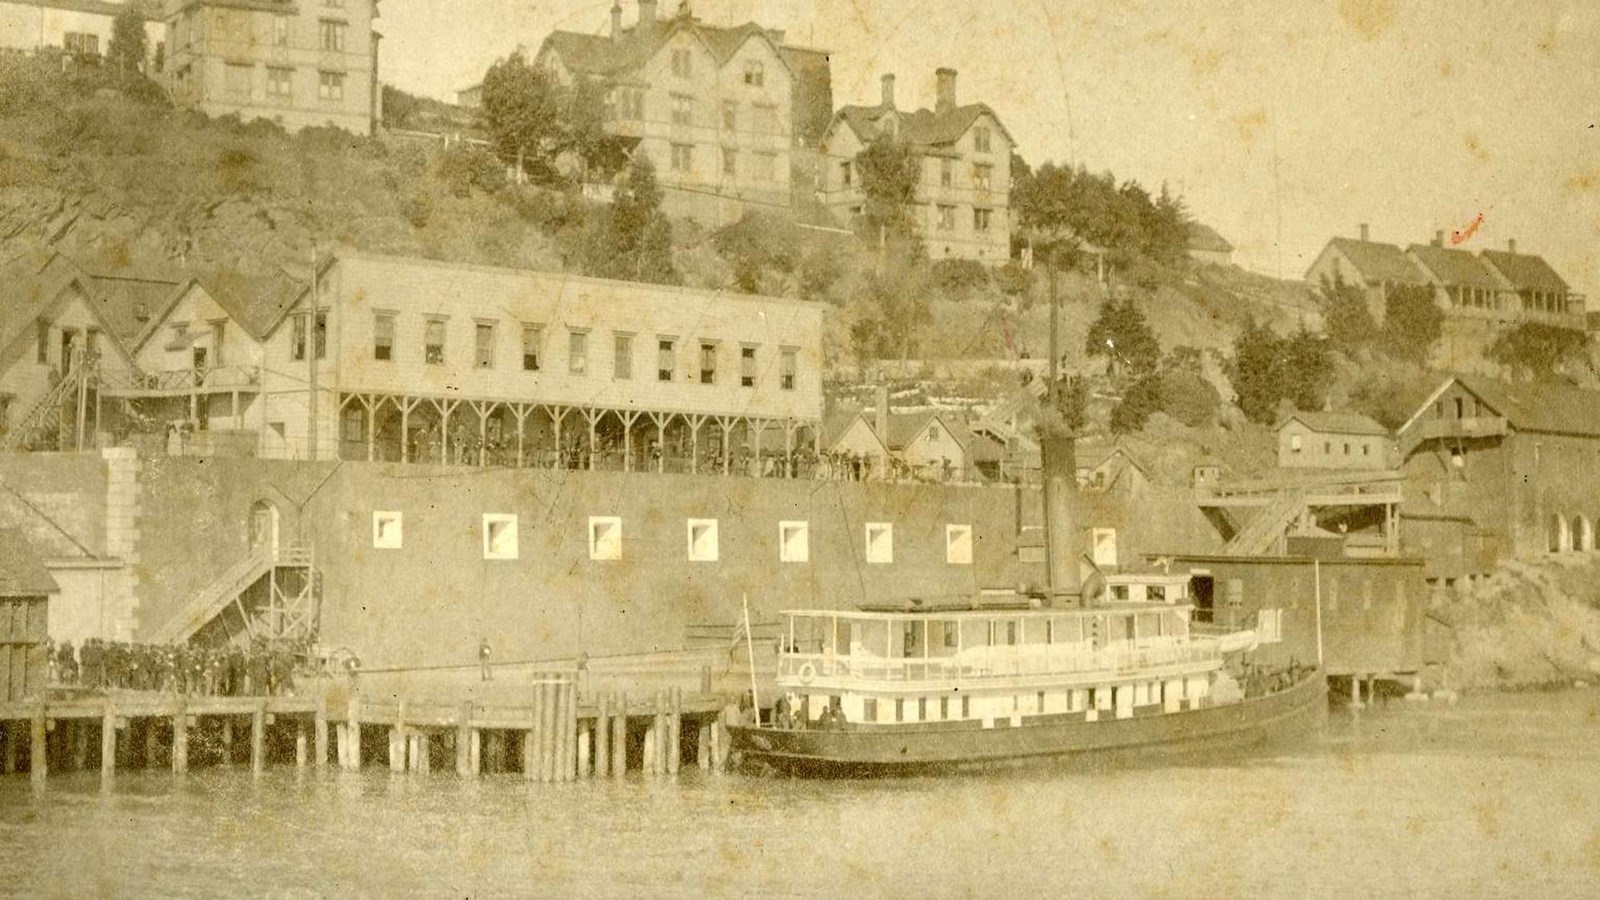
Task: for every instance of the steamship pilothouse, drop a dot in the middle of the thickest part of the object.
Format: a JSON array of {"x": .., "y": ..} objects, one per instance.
[{"x": 925, "y": 688}]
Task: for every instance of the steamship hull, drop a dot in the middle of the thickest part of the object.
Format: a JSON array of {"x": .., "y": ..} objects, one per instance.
[{"x": 1292, "y": 714}]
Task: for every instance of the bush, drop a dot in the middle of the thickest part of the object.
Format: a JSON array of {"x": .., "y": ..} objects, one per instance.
[
  {"x": 958, "y": 278},
  {"x": 418, "y": 209},
  {"x": 1412, "y": 322},
  {"x": 1537, "y": 349},
  {"x": 465, "y": 167},
  {"x": 1013, "y": 280}
]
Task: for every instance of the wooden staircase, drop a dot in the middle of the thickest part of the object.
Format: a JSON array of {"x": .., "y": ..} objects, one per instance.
[
  {"x": 1266, "y": 528},
  {"x": 290, "y": 610}
]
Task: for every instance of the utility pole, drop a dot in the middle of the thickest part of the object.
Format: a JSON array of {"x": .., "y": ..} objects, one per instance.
[
  {"x": 312, "y": 348},
  {"x": 1058, "y": 468}
]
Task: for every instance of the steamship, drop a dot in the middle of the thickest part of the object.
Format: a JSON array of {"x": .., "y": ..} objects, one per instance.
[{"x": 1072, "y": 674}]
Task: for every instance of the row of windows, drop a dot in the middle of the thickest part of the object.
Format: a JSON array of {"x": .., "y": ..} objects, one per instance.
[
  {"x": 238, "y": 78},
  {"x": 701, "y": 539},
  {"x": 765, "y": 169},
  {"x": 1296, "y": 445},
  {"x": 982, "y": 174},
  {"x": 485, "y": 335},
  {"x": 684, "y": 112},
  {"x": 982, "y": 218}
]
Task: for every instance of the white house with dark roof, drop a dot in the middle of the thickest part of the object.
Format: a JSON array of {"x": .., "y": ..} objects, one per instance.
[
  {"x": 716, "y": 109},
  {"x": 1540, "y": 294},
  {"x": 1207, "y": 245},
  {"x": 77, "y": 27},
  {"x": 1330, "y": 440},
  {"x": 963, "y": 199}
]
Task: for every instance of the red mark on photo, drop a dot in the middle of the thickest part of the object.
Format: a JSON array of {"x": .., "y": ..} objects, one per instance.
[{"x": 1462, "y": 236}]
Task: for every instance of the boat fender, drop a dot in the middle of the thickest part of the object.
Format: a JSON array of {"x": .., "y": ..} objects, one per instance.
[{"x": 808, "y": 673}]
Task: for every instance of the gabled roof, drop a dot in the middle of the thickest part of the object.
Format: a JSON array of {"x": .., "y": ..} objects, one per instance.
[
  {"x": 923, "y": 128},
  {"x": 1336, "y": 423},
  {"x": 21, "y": 572},
  {"x": 1455, "y": 267},
  {"x": 595, "y": 54},
  {"x": 836, "y": 422},
  {"x": 1527, "y": 406},
  {"x": 1379, "y": 262},
  {"x": 130, "y": 297},
  {"x": 1525, "y": 271},
  {"x": 904, "y": 427},
  {"x": 1205, "y": 238},
  {"x": 31, "y": 287}
]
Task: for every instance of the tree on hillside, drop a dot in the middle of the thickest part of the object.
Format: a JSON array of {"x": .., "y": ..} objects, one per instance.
[
  {"x": 1065, "y": 207},
  {"x": 583, "y": 131},
  {"x": 1536, "y": 349},
  {"x": 633, "y": 238},
  {"x": 1255, "y": 370},
  {"x": 1167, "y": 230},
  {"x": 889, "y": 171},
  {"x": 399, "y": 107},
  {"x": 1307, "y": 370},
  {"x": 1344, "y": 308},
  {"x": 891, "y": 308},
  {"x": 1122, "y": 336},
  {"x": 522, "y": 108},
  {"x": 1412, "y": 322},
  {"x": 129, "y": 44}
]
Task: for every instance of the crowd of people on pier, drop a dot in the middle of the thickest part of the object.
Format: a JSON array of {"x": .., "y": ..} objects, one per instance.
[{"x": 222, "y": 671}]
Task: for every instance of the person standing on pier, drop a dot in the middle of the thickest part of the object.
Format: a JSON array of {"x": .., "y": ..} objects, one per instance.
[{"x": 485, "y": 672}]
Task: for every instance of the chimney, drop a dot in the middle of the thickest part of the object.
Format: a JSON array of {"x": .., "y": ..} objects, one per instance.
[
  {"x": 888, "y": 91},
  {"x": 616, "y": 20},
  {"x": 882, "y": 425},
  {"x": 1438, "y": 238},
  {"x": 647, "y": 15},
  {"x": 1366, "y": 233},
  {"x": 1511, "y": 245},
  {"x": 946, "y": 90}
]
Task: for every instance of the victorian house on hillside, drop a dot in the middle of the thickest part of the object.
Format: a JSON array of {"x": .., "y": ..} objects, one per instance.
[
  {"x": 1376, "y": 267},
  {"x": 962, "y": 206},
  {"x": 302, "y": 64},
  {"x": 717, "y": 110}
]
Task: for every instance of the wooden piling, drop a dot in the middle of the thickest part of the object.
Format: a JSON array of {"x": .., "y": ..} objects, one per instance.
[
  {"x": 353, "y": 727},
  {"x": 227, "y": 740},
  {"x": 716, "y": 743},
  {"x": 619, "y": 738},
  {"x": 475, "y": 751},
  {"x": 575, "y": 736},
  {"x": 180, "y": 736},
  {"x": 152, "y": 743},
  {"x": 661, "y": 732},
  {"x": 422, "y": 752},
  {"x": 647, "y": 764},
  {"x": 702, "y": 748},
  {"x": 495, "y": 752},
  {"x": 80, "y": 745},
  {"x": 675, "y": 733},
  {"x": 258, "y": 738},
  {"x": 548, "y": 750},
  {"x": 302, "y": 743},
  {"x": 530, "y": 738},
  {"x": 39, "y": 749},
  {"x": 319, "y": 732},
  {"x": 585, "y": 747},
  {"x": 8, "y": 749},
  {"x": 562, "y": 748},
  {"x": 397, "y": 740},
  {"x": 108, "y": 741},
  {"x": 464, "y": 740},
  {"x": 602, "y": 737}
]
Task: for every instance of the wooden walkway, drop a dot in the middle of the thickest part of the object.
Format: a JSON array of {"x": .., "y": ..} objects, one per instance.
[{"x": 556, "y": 736}]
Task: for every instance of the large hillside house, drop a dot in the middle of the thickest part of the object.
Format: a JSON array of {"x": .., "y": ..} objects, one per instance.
[
  {"x": 301, "y": 63},
  {"x": 963, "y": 199},
  {"x": 717, "y": 110},
  {"x": 1330, "y": 440},
  {"x": 79, "y": 28},
  {"x": 1498, "y": 470},
  {"x": 1376, "y": 267}
]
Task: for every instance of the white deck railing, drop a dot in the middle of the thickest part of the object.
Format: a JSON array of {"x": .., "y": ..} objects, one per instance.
[{"x": 993, "y": 663}]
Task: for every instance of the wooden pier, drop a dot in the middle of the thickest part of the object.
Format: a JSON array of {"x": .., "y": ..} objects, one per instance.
[{"x": 556, "y": 736}]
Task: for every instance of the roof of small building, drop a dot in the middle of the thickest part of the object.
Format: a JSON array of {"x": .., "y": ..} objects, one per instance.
[
  {"x": 921, "y": 128},
  {"x": 1207, "y": 239},
  {"x": 904, "y": 427},
  {"x": 1534, "y": 406},
  {"x": 21, "y": 572},
  {"x": 1336, "y": 423},
  {"x": 1526, "y": 271},
  {"x": 1379, "y": 261},
  {"x": 1455, "y": 267}
]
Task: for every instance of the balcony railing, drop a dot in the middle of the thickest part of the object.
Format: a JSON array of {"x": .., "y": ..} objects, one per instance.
[
  {"x": 1010, "y": 662},
  {"x": 181, "y": 380}
]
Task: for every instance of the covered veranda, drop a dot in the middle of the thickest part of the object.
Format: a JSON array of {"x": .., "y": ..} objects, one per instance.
[{"x": 415, "y": 428}]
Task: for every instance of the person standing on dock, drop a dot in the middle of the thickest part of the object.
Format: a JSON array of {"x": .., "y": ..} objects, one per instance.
[{"x": 485, "y": 672}]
